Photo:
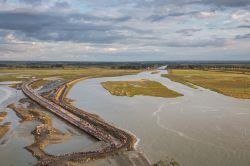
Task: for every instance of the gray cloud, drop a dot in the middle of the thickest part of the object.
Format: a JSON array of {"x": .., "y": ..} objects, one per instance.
[
  {"x": 244, "y": 26},
  {"x": 127, "y": 26},
  {"x": 89, "y": 17},
  {"x": 26, "y": 21},
  {"x": 31, "y": 2},
  {"x": 245, "y": 36},
  {"x": 161, "y": 17},
  {"x": 188, "y": 32},
  {"x": 54, "y": 27},
  {"x": 216, "y": 42},
  {"x": 232, "y": 3},
  {"x": 155, "y": 18}
]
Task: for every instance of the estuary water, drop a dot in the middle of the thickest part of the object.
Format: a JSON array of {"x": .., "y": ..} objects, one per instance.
[{"x": 200, "y": 128}]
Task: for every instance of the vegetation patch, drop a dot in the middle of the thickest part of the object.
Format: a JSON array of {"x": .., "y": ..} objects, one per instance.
[
  {"x": 39, "y": 83},
  {"x": 140, "y": 87},
  {"x": 4, "y": 129},
  {"x": 65, "y": 73},
  {"x": 167, "y": 162},
  {"x": 155, "y": 72},
  {"x": 2, "y": 115},
  {"x": 234, "y": 84}
]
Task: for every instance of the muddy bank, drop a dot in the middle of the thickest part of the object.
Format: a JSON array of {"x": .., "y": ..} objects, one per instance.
[
  {"x": 44, "y": 133},
  {"x": 2, "y": 116},
  {"x": 22, "y": 113},
  {"x": 4, "y": 129}
]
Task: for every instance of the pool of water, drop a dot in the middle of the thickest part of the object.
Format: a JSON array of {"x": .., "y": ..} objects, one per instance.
[
  {"x": 200, "y": 128},
  {"x": 12, "y": 145},
  {"x": 78, "y": 141}
]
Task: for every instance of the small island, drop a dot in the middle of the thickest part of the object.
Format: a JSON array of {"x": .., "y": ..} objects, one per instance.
[{"x": 139, "y": 87}]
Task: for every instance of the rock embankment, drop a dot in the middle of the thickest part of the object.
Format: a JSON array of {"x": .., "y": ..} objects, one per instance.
[{"x": 116, "y": 139}]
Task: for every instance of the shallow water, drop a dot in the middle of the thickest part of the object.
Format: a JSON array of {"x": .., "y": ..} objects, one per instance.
[
  {"x": 74, "y": 144},
  {"x": 78, "y": 141},
  {"x": 10, "y": 82},
  {"x": 12, "y": 145},
  {"x": 200, "y": 128},
  {"x": 12, "y": 151},
  {"x": 19, "y": 136}
]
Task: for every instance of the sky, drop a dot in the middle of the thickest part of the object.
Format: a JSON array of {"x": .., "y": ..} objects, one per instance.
[{"x": 124, "y": 30}]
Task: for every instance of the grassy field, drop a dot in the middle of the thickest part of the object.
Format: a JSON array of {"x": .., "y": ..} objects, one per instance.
[
  {"x": 39, "y": 83},
  {"x": 230, "y": 83},
  {"x": 22, "y": 74},
  {"x": 141, "y": 87}
]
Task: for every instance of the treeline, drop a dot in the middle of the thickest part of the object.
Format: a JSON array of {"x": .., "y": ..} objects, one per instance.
[
  {"x": 210, "y": 66},
  {"x": 112, "y": 65},
  {"x": 136, "y": 66},
  {"x": 129, "y": 65}
]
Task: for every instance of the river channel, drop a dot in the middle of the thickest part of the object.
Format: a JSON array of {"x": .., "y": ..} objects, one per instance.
[{"x": 200, "y": 128}]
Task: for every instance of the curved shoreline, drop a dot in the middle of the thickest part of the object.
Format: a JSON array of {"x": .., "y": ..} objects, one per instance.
[
  {"x": 60, "y": 96},
  {"x": 116, "y": 139}
]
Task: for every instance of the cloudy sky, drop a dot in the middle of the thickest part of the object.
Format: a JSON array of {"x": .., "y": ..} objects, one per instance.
[{"x": 124, "y": 30}]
